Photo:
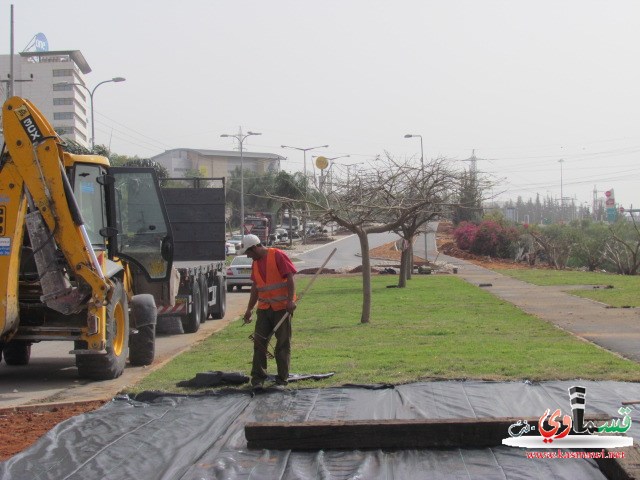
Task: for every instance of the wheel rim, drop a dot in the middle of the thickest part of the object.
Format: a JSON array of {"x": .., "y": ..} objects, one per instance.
[{"x": 118, "y": 335}]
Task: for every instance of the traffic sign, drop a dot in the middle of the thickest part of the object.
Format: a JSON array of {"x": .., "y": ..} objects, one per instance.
[
  {"x": 609, "y": 202},
  {"x": 621, "y": 209},
  {"x": 322, "y": 162}
]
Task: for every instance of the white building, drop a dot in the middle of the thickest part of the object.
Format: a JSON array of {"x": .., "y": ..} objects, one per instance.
[
  {"x": 38, "y": 77},
  {"x": 216, "y": 163}
]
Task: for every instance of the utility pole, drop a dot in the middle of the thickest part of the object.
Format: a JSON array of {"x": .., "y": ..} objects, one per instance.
[
  {"x": 561, "y": 161},
  {"x": 11, "y": 76}
]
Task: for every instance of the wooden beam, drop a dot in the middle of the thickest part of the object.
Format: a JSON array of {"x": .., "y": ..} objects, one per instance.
[{"x": 373, "y": 434}]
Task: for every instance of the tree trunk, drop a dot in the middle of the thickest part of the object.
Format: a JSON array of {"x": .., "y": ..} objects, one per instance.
[
  {"x": 366, "y": 277},
  {"x": 404, "y": 267},
  {"x": 410, "y": 259}
]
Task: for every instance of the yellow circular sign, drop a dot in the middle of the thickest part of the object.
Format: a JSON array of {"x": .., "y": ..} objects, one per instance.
[{"x": 322, "y": 162}]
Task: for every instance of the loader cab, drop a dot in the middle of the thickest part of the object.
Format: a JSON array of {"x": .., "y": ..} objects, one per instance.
[{"x": 124, "y": 213}]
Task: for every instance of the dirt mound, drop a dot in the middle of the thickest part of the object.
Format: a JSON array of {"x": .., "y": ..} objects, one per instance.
[
  {"x": 312, "y": 271},
  {"x": 358, "y": 269}
]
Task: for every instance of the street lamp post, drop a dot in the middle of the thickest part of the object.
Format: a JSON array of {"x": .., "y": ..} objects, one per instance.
[
  {"x": 241, "y": 138},
  {"x": 91, "y": 92},
  {"x": 304, "y": 150},
  {"x": 561, "y": 161},
  {"x": 409, "y": 135}
]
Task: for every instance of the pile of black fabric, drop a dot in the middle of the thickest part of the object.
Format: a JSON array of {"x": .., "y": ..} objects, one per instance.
[
  {"x": 215, "y": 378},
  {"x": 218, "y": 378}
]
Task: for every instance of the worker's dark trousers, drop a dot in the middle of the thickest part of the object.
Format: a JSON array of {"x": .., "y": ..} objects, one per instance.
[{"x": 267, "y": 320}]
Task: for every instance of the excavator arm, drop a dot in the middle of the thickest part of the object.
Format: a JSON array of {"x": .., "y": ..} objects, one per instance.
[{"x": 33, "y": 178}]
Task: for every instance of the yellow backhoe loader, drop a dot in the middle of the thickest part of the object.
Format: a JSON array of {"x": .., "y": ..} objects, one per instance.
[{"x": 75, "y": 234}]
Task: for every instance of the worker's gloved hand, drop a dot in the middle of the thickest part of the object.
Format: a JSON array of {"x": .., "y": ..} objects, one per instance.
[
  {"x": 291, "y": 306},
  {"x": 247, "y": 316}
]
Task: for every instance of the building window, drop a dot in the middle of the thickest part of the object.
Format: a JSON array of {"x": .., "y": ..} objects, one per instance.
[
  {"x": 62, "y": 88},
  {"x": 63, "y": 116},
  {"x": 70, "y": 101},
  {"x": 66, "y": 72}
]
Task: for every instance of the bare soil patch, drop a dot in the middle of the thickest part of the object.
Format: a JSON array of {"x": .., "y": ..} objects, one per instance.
[{"x": 21, "y": 427}]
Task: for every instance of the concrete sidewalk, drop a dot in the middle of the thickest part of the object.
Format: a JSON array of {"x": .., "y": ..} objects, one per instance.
[{"x": 615, "y": 329}]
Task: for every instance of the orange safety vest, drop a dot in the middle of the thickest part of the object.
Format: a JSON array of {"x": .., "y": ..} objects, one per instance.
[{"x": 274, "y": 291}]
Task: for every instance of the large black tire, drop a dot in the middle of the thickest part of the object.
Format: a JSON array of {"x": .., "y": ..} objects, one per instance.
[
  {"x": 204, "y": 295},
  {"x": 142, "y": 345},
  {"x": 220, "y": 308},
  {"x": 191, "y": 322},
  {"x": 110, "y": 365},
  {"x": 229, "y": 288},
  {"x": 17, "y": 352}
]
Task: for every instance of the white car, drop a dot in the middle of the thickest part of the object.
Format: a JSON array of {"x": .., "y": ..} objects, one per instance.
[{"x": 239, "y": 273}]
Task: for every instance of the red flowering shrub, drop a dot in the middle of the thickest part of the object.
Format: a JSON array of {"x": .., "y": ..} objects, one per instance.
[
  {"x": 489, "y": 238},
  {"x": 465, "y": 235}
]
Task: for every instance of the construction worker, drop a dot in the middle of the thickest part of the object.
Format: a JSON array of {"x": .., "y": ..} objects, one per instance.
[{"x": 273, "y": 290}]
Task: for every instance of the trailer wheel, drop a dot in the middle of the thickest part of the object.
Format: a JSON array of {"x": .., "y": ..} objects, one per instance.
[
  {"x": 220, "y": 308},
  {"x": 229, "y": 288},
  {"x": 204, "y": 296},
  {"x": 191, "y": 322},
  {"x": 142, "y": 345},
  {"x": 110, "y": 365},
  {"x": 17, "y": 352}
]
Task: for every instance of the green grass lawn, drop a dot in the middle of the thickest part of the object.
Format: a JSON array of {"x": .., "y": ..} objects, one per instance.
[
  {"x": 625, "y": 291},
  {"x": 439, "y": 327}
]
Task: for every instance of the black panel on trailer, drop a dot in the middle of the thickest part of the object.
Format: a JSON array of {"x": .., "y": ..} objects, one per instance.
[{"x": 196, "y": 213}]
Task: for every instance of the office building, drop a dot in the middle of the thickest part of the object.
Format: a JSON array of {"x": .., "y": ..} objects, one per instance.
[{"x": 41, "y": 77}]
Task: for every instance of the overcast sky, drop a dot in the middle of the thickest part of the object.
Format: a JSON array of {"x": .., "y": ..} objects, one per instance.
[{"x": 524, "y": 83}]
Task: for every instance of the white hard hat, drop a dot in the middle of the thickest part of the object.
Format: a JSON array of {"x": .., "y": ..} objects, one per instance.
[{"x": 248, "y": 241}]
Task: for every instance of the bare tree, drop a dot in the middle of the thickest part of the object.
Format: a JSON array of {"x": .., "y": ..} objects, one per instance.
[
  {"x": 431, "y": 186},
  {"x": 380, "y": 199},
  {"x": 623, "y": 247}
]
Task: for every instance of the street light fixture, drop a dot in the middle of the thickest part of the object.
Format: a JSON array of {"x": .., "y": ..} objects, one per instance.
[
  {"x": 241, "y": 138},
  {"x": 305, "y": 150},
  {"x": 91, "y": 92},
  {"x": 410, "y": 135}
]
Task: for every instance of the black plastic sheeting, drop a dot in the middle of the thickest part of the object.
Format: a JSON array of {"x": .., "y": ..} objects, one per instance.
[{"x": 202, "y": 437}]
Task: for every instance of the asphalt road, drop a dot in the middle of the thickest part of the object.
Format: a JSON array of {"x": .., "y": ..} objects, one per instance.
[{"x": 348, "y": 254}]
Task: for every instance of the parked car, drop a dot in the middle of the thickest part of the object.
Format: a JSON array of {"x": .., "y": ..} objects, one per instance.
[
  {"x": 280, "y": 235},
  {"x": 239, "y": 273}
]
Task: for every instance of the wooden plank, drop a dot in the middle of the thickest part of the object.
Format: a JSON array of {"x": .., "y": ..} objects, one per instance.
[
  {"x": 384, "y": 434},
  {"x": 374, "y": 434}
]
